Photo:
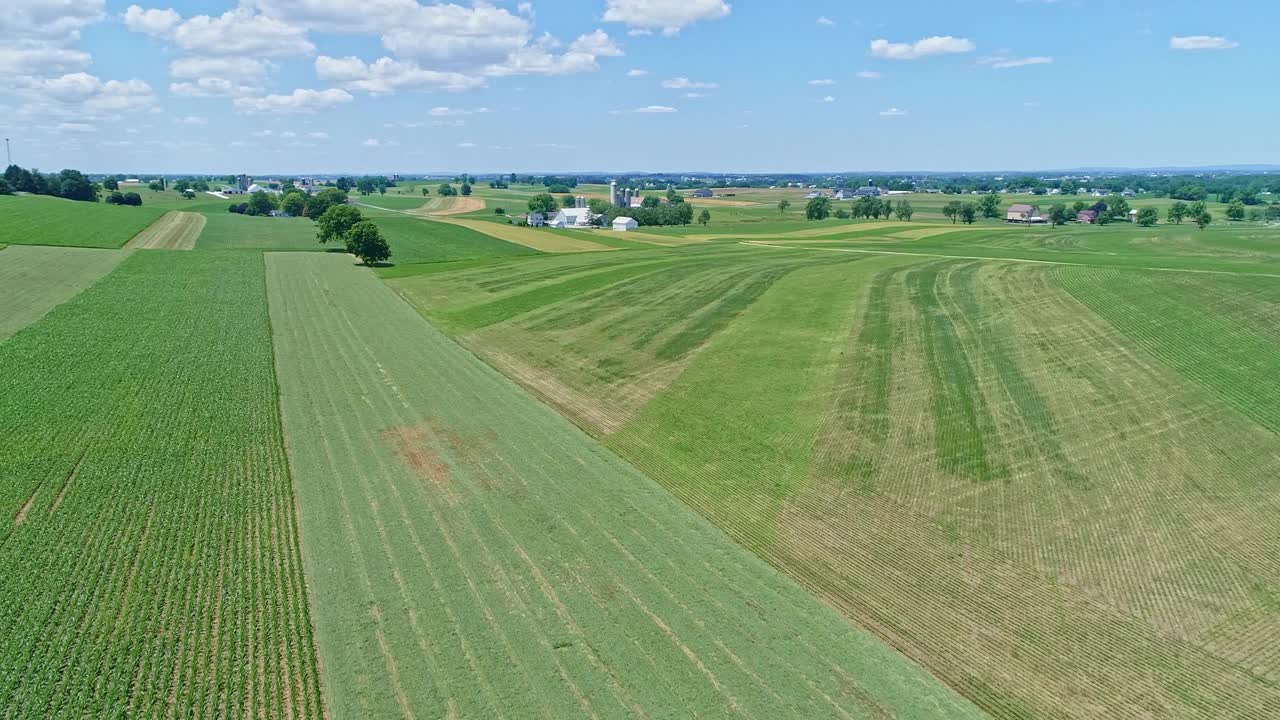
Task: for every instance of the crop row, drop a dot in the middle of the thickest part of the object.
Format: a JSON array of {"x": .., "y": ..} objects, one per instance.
[{"x": 153, "y": 544}]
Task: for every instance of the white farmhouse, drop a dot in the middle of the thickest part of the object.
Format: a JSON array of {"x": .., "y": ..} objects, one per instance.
[{"x": 623, "y": 224}]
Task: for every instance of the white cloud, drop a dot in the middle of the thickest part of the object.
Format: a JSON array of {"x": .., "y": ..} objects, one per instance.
[
  {"x": 86, "y": 94},
  {"x": 192, "y": 120},
  {"x": 236, "y": 32},
  {"x": 538, "y": 59},
  {"x": 656, "y": 109},
  {"x": 299, "y": 101},
  {"x": 318, "y": 135},
  {"x": 213, "y": 87},
  {"x": 376, "y": 143},
  {"x": 893, "y": 112},
  {"x": 869, "y": 75},
  {"x": 669, "y": 16},
  {"x": 73, "y": 127},
  {"x": 936, "y": 45},
  {"x": 824, "y": 20},
  {"x": 828, "y": 99},
  {"x": 466, "y": 144},
  {"x": 1201, "y": 42},
  {"x": 288, "y": 134},
  {"x": 385, "y": 75},
  {"x": 243, "y": 68},
  {"x": 58, "y": 22},
  {"x": 1002, "y": 61},
  {"x": 684, "y": 83},
  {"x": 694, "y": 95},
  {"x": 39, "y": 59},
  {"x": 635, "y": 72},
  {"x": 442, "y": 111},
  {"x": 824, "y": 81}
]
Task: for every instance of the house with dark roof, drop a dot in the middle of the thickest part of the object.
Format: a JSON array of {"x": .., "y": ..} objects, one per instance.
[
  {"x": 703, "y": 193},
  {"x": 1087, "y": 217}
]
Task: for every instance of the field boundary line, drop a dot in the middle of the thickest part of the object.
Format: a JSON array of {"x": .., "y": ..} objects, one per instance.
[{"x": 757, "y": 243}]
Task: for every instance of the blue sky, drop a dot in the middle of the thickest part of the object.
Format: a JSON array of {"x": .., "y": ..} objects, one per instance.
[{"x": 301, "y": 86}]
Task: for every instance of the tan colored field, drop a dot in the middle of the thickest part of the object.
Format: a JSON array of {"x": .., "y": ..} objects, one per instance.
[
  {"x": 449, "y": 206},
  {"x": 550, "y": 241},
  {"x": 174, "y": 230}
]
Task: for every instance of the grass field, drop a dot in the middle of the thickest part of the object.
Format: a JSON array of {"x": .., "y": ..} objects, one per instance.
[
  {"x": 34, "y": 280},
  {"x": 41, "y": 220},
  {"x": 472, "y": 554},
  {"x": 415, "y": 240},
  {"x": 1048, "y": 482},
  {"x": 152, "y": 553},
  {"x": 229, "y": 231}
]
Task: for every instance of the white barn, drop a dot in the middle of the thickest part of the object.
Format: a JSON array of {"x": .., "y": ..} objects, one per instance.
[
  {"x": 571, "y": 217},
  {"x": 623, "y": 224}
]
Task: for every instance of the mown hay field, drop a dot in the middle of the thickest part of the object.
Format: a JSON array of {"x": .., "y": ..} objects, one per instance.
[
  {"x": 36, "y": 279},
  {"x": 473, "y": 554},
  {"x": 42, "y": 220},
  {"x": 1047, "y": 478}
]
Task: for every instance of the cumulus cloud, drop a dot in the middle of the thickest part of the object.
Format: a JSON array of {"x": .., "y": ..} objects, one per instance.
[
  {"x": 236, "y": 32},
  {"x": 893, "y": 112},
  {"x": 318, "y": 135},
  {"x": 828, "y": 99},
  {"x": 301, "y": 100},
  {"x": 823, "y": 81},
  {"x": 669, "y": 16},
  {"x": 1201, "y": 42},
  {"x": 442, "y": 111},
  {"x": 936, "y": 45},
  {"x": 239, "y": 67},
  {"x": 73, "y": 127},
  {"x": 869, "y": 75},
  {"x": 385, "y": 75},
  {"x": 82, "y": 93},
  {"x": 53, "y": 21},
  {"x": 207, "y": 87},
  {"x": 38, "y": 59},
  {"x": 824, "y": 20},
  {"x": 376, "y": 143},
  {"x": 1002, "y": 61},
  {"x": 684, "y": 83},
  {"x": 636, "y": 72}
]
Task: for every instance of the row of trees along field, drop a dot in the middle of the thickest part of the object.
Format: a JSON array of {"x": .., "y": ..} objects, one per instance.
[{"x": 872, "y": 208}]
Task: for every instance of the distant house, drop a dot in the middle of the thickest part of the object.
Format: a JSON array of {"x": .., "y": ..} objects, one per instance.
[
  {"x": 535, "y": 219},
  {"x": 1088, "y": 217},
  {"x": 703, "y": 193},
  {"x": 1020, "y": 213},
  {"x": 868, "y": 191},
  {"x": 843, "y": 194},
  {"x": 1133, "y": 215},
  {"x": 623, "y": 224}
]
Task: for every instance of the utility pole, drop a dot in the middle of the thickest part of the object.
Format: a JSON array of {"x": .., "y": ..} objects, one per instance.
[{"x": 8, "y": 158}]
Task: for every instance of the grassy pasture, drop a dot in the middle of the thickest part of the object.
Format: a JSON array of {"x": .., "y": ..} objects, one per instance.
[
  {"x": 416, "y": 240},
  {"x": 473, "y": 554},
  {"x": 228, "y": 231},
  {"x": 1047, "y": 482},
  {"x": 41, "y": 220},
  {"x": 151, "y": 540},
  {"x": 36, "y": 279}
]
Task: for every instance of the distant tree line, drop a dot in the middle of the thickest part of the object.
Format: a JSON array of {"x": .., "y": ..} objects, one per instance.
[{"x": 69, "y": 184}]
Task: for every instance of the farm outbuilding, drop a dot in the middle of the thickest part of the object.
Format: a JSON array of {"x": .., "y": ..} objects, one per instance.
[
  {"x": 623, "y": 224},
  {"x": 703, "y": 193},
  {"x": 535, "y": 219},
  {"x": 1020, "y": 213}
]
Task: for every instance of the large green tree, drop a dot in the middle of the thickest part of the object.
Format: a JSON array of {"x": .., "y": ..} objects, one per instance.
[
  {"x": 1059, "y": 215},
  {"x": 336, "y": 222},
  {"x": 968, "y": 213},
  {"x": 1148, "y": 216},
  {"x": 365, "y": 241},
  {"x": 989, "y": 205},
  {"x": 783, "y": 205},
  {"x": 261, "y": 203},
  {"x": 294, "y": 203},
  {"x": 544, "y": 203},
  {"x": 1178, "y": 211},
  {"x": 904, "y": 211},
  {"x": 319, "y": 203},
  {"x": 818, "y": 208},
  {"x": 951, "y": 211}
]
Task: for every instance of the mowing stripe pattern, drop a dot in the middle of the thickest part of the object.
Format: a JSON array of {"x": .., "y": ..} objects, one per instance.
[{"x": 472, "y": 554}]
